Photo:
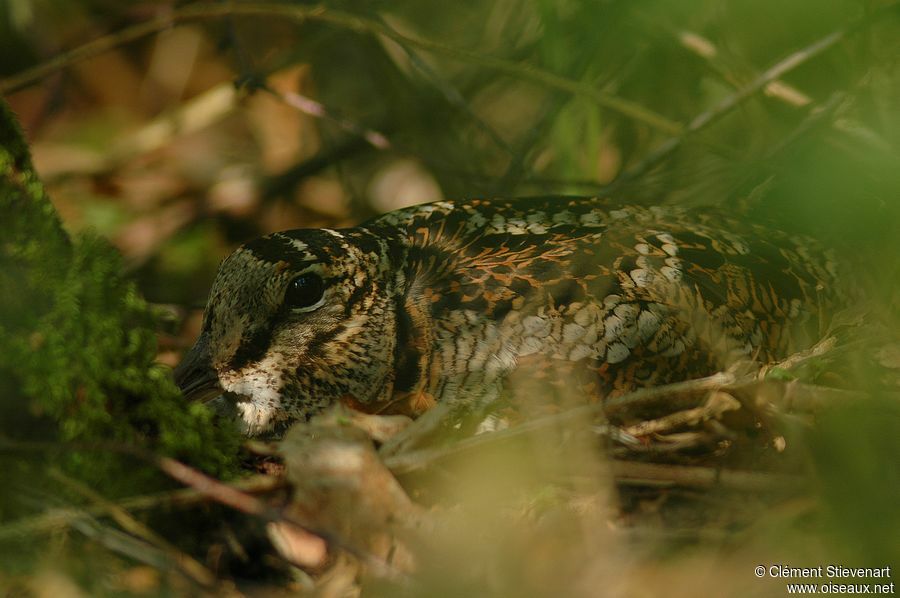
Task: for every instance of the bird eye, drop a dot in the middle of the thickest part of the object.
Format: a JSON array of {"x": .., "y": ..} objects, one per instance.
[{"x": 304, "y": 291}]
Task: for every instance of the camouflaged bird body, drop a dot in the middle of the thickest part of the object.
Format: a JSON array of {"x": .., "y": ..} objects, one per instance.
[{"x": 440, "y": 302}]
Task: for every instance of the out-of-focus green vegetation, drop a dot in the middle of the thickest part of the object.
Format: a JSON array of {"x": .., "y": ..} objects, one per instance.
[
  {"x": 79, "y": 341},
  {"x": 513, "y": 97},
  {"x": 79, "y": 351}
]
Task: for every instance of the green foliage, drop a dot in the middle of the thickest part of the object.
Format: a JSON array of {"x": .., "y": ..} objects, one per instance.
[
  {"x": 855, "y": 450},
  {"x": 79, "y": 346},
  {"x": 779, "y": 374}
]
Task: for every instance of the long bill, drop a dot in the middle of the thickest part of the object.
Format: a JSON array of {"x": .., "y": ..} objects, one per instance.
[{"x": 195, "y": 375}]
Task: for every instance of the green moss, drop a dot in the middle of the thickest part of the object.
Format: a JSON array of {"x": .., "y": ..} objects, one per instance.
[{"x": 78, "y": 345}]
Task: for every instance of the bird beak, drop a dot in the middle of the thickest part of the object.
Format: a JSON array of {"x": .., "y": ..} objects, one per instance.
[{"x": 195, "y": 375}]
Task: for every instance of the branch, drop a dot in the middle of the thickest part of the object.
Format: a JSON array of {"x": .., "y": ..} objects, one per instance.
[
  {"x": 740, "y": 377},
  {"x": 770, "y": 75},
  {"x": 636, "y": 472},
  {"x": 409, "y": 461},
  {"x": 55, "y": 519},
  {"x": 186, "y": 564},
  {"x": 346, "y": 20},
  {"x": 215, "y": 490}
]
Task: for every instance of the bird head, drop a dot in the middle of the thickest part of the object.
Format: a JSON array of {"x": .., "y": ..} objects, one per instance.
[{"x": 295, "y": 321}]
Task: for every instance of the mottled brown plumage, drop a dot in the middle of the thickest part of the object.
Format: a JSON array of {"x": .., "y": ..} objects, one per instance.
[{"x": 440, "y": 302}]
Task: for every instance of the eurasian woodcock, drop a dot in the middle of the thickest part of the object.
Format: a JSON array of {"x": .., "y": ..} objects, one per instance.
[{"x": 440, "y": 302}]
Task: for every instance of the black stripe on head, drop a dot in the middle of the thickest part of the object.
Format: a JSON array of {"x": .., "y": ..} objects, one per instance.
[
  {"x": 251, "y": 349},
  {"x": 275, "y": 248},
  {"x": 324, "y": 246},
  {"x": 366, "y": 242},
  {"x": 209, "y": 319}
]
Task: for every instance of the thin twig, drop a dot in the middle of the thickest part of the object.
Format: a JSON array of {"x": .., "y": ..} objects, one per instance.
[
  {"x": 186, "y": 564},
  {"x": 627, "y": 472},
  {"x": 346, "y": 20},
  {"x": 717, "y": 404},
  {"x": 796, "y": 397},
  {"x": 215, "y": 490},
  {"x": 773, "y": 73},
  {"x": 415, "y": 460},
  {"x": 799, "y": 358},
  {"x": 316, "y": 109},
  {"x": 649, "y": 396},
  {"x": 816, "y": 116},
  {"x": 666, "y": 445},
  {"x": 656, "y": 474},
  {"x": 451, "y": 94},
  {"x": 56, "y": 519},
  {"x": 705, "y": 49},
  {"x": 253, "y": 506},
  {"x": 124, "y": 544},
  {"x": 736, "y": 379},
  {"x": 753, "y": 184}
]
